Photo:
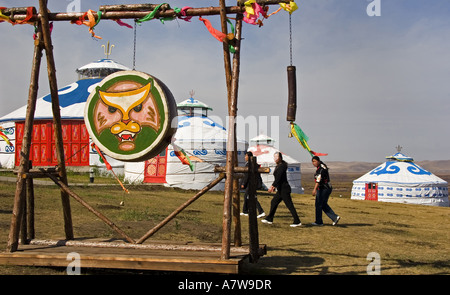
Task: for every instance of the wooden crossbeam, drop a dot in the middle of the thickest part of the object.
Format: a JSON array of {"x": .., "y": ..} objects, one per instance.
[{"x": 134, "y": 11}]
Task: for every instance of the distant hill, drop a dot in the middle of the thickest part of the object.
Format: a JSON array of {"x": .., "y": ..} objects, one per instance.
[{"x": 435, "y": 167}]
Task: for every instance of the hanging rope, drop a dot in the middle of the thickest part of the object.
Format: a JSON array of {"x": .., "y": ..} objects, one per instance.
[
  {"x": 290, "y": 39},
  {"x": 134, "y": 46}
]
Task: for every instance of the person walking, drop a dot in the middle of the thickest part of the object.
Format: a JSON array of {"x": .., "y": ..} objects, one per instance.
[
  {"x": 283, "y": 188},
  {"x": 244, "y": 185},
  {"x": 322, "y": 190}
]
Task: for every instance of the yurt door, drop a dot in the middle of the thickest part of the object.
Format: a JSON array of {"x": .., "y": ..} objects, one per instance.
[
  {"x": 155, "y": 168},
  {"x": 371, "y": 191}
]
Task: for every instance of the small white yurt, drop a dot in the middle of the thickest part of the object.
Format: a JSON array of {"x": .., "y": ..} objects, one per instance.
[
  {"x": 203, "y": 140},
  {"x": 262, "y": 147},
  {"x": 400, "y": 180}
]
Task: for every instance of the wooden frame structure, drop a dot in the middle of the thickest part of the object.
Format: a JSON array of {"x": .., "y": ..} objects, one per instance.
[{"x": 22, "y": 222}]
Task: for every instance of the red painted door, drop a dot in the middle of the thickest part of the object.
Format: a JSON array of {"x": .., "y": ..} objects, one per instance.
[
  {"x": 371, "y": 191},
  {"x": 40, "y": 151},
  {"x": 155, "y": 168},
  {"x": 43, "y": 148}
]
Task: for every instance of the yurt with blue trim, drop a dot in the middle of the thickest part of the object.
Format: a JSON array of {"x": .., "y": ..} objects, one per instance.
[
  {"x": 203, "y": 141},
  {"x": 400, "y": 180},
  {"x": 72, "y": 99}
]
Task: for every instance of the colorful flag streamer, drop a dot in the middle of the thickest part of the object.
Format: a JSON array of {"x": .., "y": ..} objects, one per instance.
[
  {"x": 5, "y": 138},
  {"x": 90, "y": 22},
  {"x": 28, "y": 16},
  {"x": 181, "y": 154},
  {"x": 219, "y": 35},
  {"x": 123, "y": 24},
  {"x": 151, "y": 15},
  {"x": 252, "y": 12},
  {"x": 303, "y": 139},
  {"x": 108, "y": 166},
  {"x": 183, "y": 14},
  {"x": 291, "y": 7}
]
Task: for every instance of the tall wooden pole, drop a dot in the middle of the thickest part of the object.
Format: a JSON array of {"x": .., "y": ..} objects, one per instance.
[
  {"x": 234, "y": 95},
  {"x": 232, "y": 82},
  {"x": 230, "y": 157},
  {"x": 13, "y": 238},
  {"x": 51, "y": 69}
]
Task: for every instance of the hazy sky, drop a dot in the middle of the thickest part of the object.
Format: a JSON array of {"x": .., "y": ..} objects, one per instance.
[{"x": 365, "y": 84}]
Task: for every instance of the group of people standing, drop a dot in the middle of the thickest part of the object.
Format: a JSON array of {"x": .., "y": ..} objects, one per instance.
[{"x": 322, "y": 190}]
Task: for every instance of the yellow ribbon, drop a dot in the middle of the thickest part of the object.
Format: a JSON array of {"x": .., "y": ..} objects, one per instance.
[
  {"x": 291, "y": 7},
  {"x": 4, "y": 17},
  {"x": 248, "y": 7},
  {"x": 20, "y": 22}
]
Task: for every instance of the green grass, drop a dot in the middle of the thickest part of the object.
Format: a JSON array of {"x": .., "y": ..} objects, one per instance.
[{"x": 410, "y": 239}]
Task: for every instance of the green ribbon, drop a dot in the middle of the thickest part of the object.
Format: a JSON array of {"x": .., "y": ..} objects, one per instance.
[{"x": 152, "y": 14}]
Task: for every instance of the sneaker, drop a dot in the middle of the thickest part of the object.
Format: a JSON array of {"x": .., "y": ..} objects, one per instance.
[
  {"x": 244, "y": 214},
  {"x": 266, "y": 221},
  {"x": 261, "y": 215},
  {"x": 317, "y": 224},
  {"x": 337, "y": 220},
  {"x": 295, "y": 225}
]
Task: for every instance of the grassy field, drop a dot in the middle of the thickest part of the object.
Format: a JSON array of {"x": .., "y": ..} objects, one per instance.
[{"x": 410, "y": 239}]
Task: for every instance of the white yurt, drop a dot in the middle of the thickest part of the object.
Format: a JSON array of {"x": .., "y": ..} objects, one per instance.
[
  {"x": 262, "y": 147},
  {"x": 72, "y": 99},
  {"x": 400, "y": 180},
  {"x": 203, "y": 140}
]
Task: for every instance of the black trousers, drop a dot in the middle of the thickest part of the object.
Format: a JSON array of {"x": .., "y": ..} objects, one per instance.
[
  {"x": 284, "y": 194},
  {"x": 322, "y": 196},
  {"x": 245, "y": 207}
]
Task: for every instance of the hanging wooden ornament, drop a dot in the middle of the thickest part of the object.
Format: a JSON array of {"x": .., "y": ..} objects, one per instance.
[{"x": 129, "y": 116}]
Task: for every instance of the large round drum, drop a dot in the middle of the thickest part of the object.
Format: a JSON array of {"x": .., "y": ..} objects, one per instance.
[{"x": 129, "y": 116}]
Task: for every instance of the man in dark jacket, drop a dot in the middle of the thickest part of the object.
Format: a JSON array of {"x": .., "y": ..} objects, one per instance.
[{"x": 283, "y": 188}]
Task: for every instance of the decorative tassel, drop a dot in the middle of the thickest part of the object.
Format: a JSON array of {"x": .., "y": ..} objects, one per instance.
[
  {"x": 181, "y": 154},
  {"x": 303, "y": 139}
]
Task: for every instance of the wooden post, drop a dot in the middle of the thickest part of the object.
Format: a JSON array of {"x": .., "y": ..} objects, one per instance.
[
  {"x": 236, "y": 213},
  {"x": 23, "y": 222},
  {"x": 13, "y": 237},
  {"x": 234, "y": 95},
  {"x": 181, "y": 208},
  {"x": 51, "y": 69},
  {"x": 230, "y": 157},
  {"x": 30, "y": 207},
  {"x": 252, "y": 219}
]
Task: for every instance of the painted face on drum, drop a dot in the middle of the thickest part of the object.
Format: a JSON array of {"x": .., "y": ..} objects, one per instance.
[{"x": 123, "y": 110}]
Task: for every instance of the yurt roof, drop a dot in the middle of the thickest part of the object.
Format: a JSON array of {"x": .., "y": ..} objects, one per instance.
[
  {"x": 72, "y": 99},
  {"x": 200, "y": 128},
  {"x": 101, "y": 68},
  {"x": 262, "y": 138},
  {"x": 400, "y": 170},
  {"x": 400, "y": 157},
  {"x": 193, "y": 103},
  {"x": 264, "y": 154}
]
